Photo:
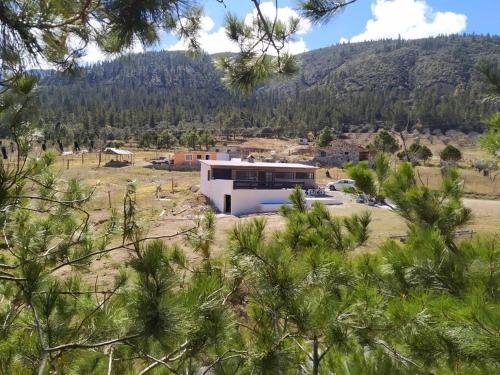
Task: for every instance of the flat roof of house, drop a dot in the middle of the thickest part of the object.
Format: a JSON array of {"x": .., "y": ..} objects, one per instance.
[{"x": 255, "y": 164}]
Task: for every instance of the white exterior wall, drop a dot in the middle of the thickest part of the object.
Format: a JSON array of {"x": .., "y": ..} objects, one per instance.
[
  {"x": 223, "y": 156},
  {"x": 243, "y": 201},
  {"x": 215, "y": 189},
  {"x": 248, "y": 201}
]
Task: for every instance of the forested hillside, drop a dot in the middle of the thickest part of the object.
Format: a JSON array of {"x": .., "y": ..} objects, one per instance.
[{"x": 431, "y": 83}]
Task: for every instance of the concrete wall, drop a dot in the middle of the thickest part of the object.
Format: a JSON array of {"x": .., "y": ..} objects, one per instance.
[
  {"x": 249, "y": 201},
  {"x": 214, "y": 190},
  {"x": 232, "y": 151},
  {"x": 243, "y": 201},
  {"x": 223, "y": 156},
  {"x": 337, "y": 154}
]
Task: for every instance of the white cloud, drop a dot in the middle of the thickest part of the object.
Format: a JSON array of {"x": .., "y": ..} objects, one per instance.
[
  {"x": 284, "y": 14},
  {"x": 210, "y": 41},
  {"x": 93, "y": 53},
  {"x": 410, "y": 19},
  {"x": 214, "y": 41}
]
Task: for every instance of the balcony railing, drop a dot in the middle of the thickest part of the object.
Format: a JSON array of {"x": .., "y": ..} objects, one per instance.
[{"x": 267, "y": 184}]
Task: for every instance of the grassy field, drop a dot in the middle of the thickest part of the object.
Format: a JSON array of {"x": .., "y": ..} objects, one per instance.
[
  {"x": 178, "y": 201},
  {"x": 475, "y": 184}
]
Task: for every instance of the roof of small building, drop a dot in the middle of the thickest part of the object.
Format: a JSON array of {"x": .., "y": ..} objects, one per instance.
[
  {"x": 255, "y": 164},
  {"x": 116, "y": 151}
]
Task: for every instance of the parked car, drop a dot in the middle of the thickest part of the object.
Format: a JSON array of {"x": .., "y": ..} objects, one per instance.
[
  {"x": 162, "y": 160},
  {"x": 341, "y": 185},
  {"x": 319, "y": 192}
]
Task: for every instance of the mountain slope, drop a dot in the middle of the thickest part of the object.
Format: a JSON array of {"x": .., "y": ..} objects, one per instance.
[{"x": 348, "y": 86}]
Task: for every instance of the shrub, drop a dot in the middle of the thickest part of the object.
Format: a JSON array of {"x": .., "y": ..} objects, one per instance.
[{"x": 451, "y": 153}]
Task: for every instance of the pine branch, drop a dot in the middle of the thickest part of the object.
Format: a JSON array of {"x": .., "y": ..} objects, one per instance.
[
  {"x": 222, "y": 358},
  {"x": 100, "y": 252},
  {"x": 76, "y": 345},
  {"x": 396, "y": 354},
  {"x": 12, "y": 278},
  {"x": 169, "y": 357}
]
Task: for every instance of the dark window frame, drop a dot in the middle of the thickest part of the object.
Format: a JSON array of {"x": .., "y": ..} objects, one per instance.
[{"x": 222, "y": 174}]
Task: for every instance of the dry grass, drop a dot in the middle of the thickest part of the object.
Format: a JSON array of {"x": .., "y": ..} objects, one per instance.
[
  {"x": 177, "y": 208},
  {"x": 474, "y": 183},
  {"x": 175, "y": 186}
]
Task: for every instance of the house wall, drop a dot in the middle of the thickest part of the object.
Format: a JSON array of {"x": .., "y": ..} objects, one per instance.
[
  {"x": 250, "y": 201},
  {"x": 369, "y": 156},
  {"x": 214, "y": 190},
  {"x": 233, "y": 151},
  {"x": 223, "y": 156},
  {"x": 180, "y": 157},
  {"x": 338, "y": 154},
  {"x": 243, "y": 201}
]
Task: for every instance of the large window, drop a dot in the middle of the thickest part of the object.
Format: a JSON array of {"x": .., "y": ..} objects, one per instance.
[
  {"x": 304, "y": 176},
  {"x": 283, "y": 175},
  {"x": 222, "y": 174},
  {"x": 246, "y": 175},
  {"x": 189, "y": 157}
]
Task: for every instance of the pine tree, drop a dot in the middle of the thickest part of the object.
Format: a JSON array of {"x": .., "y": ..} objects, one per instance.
[
  {"x": 325, "y": 137},
  {"x": 385, "y": 142}
]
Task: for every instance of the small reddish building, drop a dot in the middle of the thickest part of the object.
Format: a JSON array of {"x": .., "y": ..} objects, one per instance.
[{"x": 192, "y": 158}]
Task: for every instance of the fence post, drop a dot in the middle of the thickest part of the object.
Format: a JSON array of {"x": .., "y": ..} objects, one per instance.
[
  {"x": 67, "y": 164},
  {"x": 109, "y": 198}
]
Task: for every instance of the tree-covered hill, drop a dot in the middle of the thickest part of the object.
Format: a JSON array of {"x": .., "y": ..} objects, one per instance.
[{"x": 432, "y": 82}]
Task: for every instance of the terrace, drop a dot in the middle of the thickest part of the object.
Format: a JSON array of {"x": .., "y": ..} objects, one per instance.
[{"x": 264, "y": 176}]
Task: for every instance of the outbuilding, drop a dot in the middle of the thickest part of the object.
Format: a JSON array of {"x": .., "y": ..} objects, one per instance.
[{"x": 340, "y": 152}]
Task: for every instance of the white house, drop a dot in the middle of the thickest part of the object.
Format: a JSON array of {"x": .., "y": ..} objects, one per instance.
[{"x": 244, "y": 187}]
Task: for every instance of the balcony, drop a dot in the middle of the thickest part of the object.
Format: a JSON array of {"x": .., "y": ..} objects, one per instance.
[{"x": 268, "y": 185}]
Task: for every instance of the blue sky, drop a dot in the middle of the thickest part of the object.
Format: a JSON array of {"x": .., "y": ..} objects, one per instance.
[
  {"x": 363, "y": 20},
  {"x": 411, "y": 18}
]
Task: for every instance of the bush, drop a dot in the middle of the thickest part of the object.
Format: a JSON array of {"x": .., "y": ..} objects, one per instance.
[
  {"x": 419, "y": 152},
  {"x": 349, "y": 190},
  {"x": 451, "y": 153}
]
